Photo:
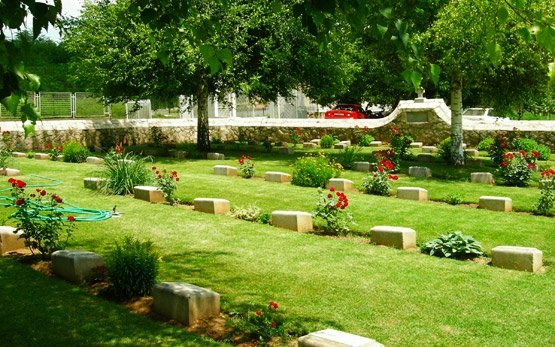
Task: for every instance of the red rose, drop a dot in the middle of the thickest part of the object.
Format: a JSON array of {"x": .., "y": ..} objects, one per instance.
[
  {"x": 20, "y": 184},
  {"x": 11, "y": 180},
  {"x": 19, "y": 202},
  {"x": 43, "y": 192},
  {"x": 329, "y": 196},
  {"x": 273, "y": 324},
  {"x": 531, "y": 166},
  {"x": 71, "y": 219},
  {"x": 259, "y": 313},
  {"x": 504, "y": 163},
  {"x": 332, "y": 189},
  {"x": 174, "y": 173}
]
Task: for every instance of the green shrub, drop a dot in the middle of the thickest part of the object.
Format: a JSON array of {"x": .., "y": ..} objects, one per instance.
[
  {"x": 348, "y": 156},
  {"x": 485, "y": 144},
  {"x": 327, "y": 141},
  {"x": 453, "y": 245},
  {"x": 454, "y": 199},
  {"x": 525, "y": 144},
  {"x": 444, "y": 150},
  {"x": 132, "y": 268},
  {"x": 314, "y": 171},
  {"x": 546, "y": 202},
  {"x": 250, "y": 213},
  {"x": 30, "y": 155},
  {"x": 74, "y": 152},
  {"x": 544, "y": 151},
  {"x": 123, "y": 172},
  {"x": 265, "y": 218},
  {"x": 365, "y": 140}
]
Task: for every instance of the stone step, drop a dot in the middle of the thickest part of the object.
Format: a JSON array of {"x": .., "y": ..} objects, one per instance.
[
  {"x": 75, "y": 265},
  {"x": 149, "y": 193},
  {"x": 280, "y": 177},
  {"x": 184, "y": 302},
  {"x": 496, "y": 203},
  {"x": 340, "y": 184},
  {"x": 293, "y": 220},
  {"x": 517, "y": 258},
  {"x": 211, "y": 205},
  {"x": 397, "y": 237},
  {"x": 10, "y": 241},
  {"x": 482, "y": 177},
  {"x": 335, "y": 338},
  {"x": 412, "y": 193},
  {"x": 420, "y": 172},
  {"x": 225, "y": 170}
]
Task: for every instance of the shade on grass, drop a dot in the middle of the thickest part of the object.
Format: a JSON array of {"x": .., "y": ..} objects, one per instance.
[{"x": 395, "y": 297}]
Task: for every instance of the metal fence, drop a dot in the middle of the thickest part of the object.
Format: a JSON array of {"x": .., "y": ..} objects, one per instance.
[{"x": 81, "y": 105}]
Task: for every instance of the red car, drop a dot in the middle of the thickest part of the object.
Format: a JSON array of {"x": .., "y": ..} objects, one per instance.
[{"x": 346, "y": 111}]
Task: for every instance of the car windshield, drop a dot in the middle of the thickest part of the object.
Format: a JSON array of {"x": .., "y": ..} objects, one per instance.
[{"x": 345, "y": 107}]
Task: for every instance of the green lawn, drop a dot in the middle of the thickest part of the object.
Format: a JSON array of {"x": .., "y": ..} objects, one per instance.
[{"x": 397, "y": 297}]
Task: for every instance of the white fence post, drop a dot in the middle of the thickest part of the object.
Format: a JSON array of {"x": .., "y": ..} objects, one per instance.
[{"x": 72, "y": 104}]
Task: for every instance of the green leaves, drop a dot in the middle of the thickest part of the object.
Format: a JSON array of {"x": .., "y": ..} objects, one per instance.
[
  {"x": 413, "y": 77},
  {"x": 495, "y": 52},
  {"x": 217, "y": 60},
  {"x": 434, "y": 73}
]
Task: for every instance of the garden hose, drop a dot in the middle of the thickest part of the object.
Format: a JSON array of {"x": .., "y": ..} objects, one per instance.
[{"x": 80, "y": 214}]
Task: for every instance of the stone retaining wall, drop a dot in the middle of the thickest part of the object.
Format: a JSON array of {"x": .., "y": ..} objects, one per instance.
[{"x": 427, "y": 120}]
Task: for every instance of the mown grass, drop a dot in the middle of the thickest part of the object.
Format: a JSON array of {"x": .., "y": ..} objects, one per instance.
[{"x": 396, "y": 297}]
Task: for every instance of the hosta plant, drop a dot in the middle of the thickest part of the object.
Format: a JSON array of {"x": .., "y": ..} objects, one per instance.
[{"x": 453, "y": 245}]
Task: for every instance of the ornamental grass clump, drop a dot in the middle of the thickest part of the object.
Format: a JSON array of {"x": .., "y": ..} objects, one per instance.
[
  {"x": 132, "y": 267},
  {"x": 167, "y": 182},
  {"x": 331, "y": 209},
  {"x": 379, "y": 181},
  {"x": 453, "y": 245},
  {"x": 246, "y": 166},
  {"x": 314, "y": 171},
  {"x": 546, "y": 202},
  {"x": 40, "y": 219},
  {"x": 123, "y": 172},
  {"x": 516, "y": 168}
]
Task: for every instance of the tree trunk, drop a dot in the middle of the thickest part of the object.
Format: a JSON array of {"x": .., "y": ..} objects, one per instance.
[
  {"x": 203, "y": 131},
  {"x": 457, "y": 152}
]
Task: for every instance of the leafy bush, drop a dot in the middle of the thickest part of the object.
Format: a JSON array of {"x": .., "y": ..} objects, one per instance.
[
  {"x": 525, "y": 144},
  {"x": 38, "y": 216},
  {"x": 365, "y": 139},
  {"x": 348, "y": 156},
  {"x": 327, "y": 141},
  {"x": 262, "y": 324},
  {"x": 454, "y": 199},
  {"x": 330, "y": 208},
  {"x": 444, "y": 150},
  {"x": 314, "y": 171},
  {"x": 123, "y": 172},
  {"x": 516, "y": 168},
  {"x": 546, "y": 202},
  {"x": 453, "y": 245},
  {"x": 6, "y": 149},
  {"x": 30, "y": 155},
  {"x": 400, "y": 143},
  {"x": 246, "y": 166},
  {"x": 485, "y": 144},
  {"x": 74, "y": 152},
  {"x": 544, "y": 152},
  {"x": 132, "y": 268},
  {"x": 250, "y": 213},
  {"x": 167, "y": 182},
  {"x": 379, "y": 181}
]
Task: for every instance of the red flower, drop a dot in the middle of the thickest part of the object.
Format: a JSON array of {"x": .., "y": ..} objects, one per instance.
[
  {"x": 259, "y": 313},
  {"x": 71, "y": 219},
  {"x": 329, "y": 196},
  {"x": 522, "y": 152},
  {"x": 19, "y": 202},
  {"x": 174, "y": 173},
  {"x": 157, "y": 172},
  {"x": 56, "y": 198},
  {"x": 273, "y": 324},
  {"x": 177, "y": 179},
  {"x": 535, "y": 153},
  {"x": 11, "y": 180},
  {"x": 531, "y": 166},
  {"x": 43, "y": 192},
  {"x": 504, "y": 163},
  {"x": 154, "y": 168},
  {"x": 273, "y": 305},
  {"x": 332, "y": 189}
]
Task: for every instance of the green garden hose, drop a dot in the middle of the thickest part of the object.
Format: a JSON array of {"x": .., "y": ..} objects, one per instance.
[{"x": 80, "y": 214}]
